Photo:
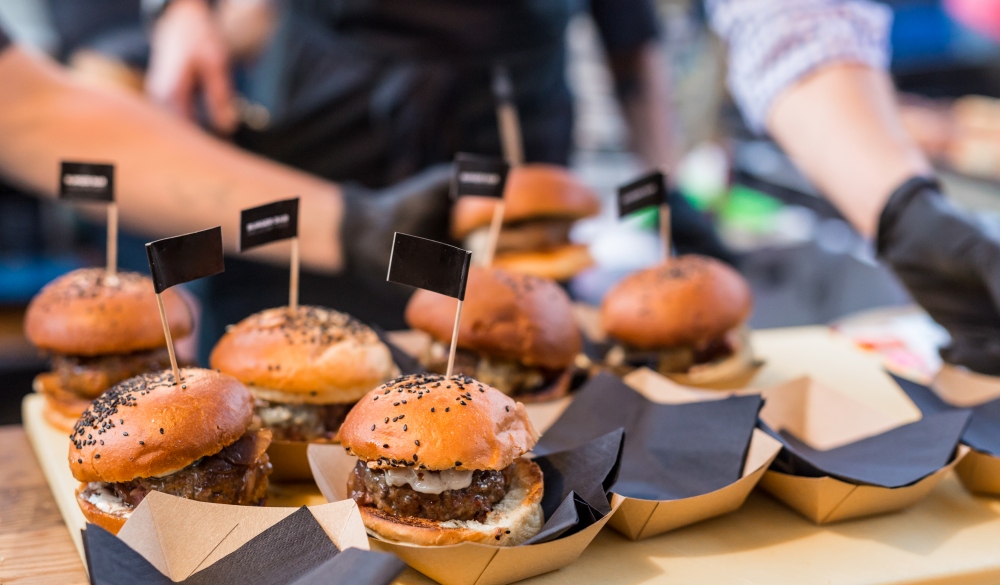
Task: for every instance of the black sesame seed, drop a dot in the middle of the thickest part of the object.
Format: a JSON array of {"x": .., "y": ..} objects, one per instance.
[
  {"x": 386, "y": 420},
  {"x": 417, "y": 442},
  {"x": 507, "y": 408},
  {"x": 373, "y": 427},
  {"x": 432, "y": 409},
  {"x": 161, "y": 430},
  {"x": 79, "y": 460},
  {"x": 458, "y": 464},
  {"x": 462, "y": 403},
  {"x": 385, "y": 446},
  {"x": 97, "y": 456},
  {"x": 395, "y": 418},
  {"x": 404, "y": 428},
  {"x": 140, "y": 442},
  {"x": 376, "y": 398},
  {"x": 507, "y": 531},
  {"x": 498, "y": 537},
  {"x": 125, "y": 434},
  {"x": 447, "y": 409},
  {"x": 395, "y": 404},
  {"x": 414, "y": 456},
  {"x": 121, "y": 421}
]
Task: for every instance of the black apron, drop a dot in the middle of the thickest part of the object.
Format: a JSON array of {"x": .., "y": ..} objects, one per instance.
[{"x": 373, "y": 91}]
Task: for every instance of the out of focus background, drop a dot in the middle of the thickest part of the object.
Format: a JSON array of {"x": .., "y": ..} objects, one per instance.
[{"x": 805, "y": 263}]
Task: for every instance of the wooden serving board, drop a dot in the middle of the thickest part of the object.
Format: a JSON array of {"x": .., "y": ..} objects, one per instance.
[{"x": 51, "y": 447}]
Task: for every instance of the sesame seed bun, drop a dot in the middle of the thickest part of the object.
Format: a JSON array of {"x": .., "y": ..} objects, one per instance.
[
  {"x": 489, "y": 431},
  {"x": 505, "y": 315},
  {"x": 314, "y": 356},
  {"x": 559, "y": 264},
  {"x": 88, "y": 313},
  {"x": 177, "y": 424},
  {"x": 512, "y": 521},
  {"x": 686, "y": 301},
  {"x": 533, "y": 191},
  {"x": 112, "y": 522}
]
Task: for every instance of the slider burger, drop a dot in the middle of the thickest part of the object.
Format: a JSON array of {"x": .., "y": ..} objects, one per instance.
[
  {"x": 541, "y": 204},
  {"x": 439, "y": 462},
  {"x": 306, "y": 368},
  {"x": 517, "y": 333},
  {"x": 683, "y": 318},
  {"x": 99, "y": 330},
  {"x": 196, "y": 440}
]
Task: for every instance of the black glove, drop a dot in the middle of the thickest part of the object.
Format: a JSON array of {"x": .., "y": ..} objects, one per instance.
[
  {"x": 419, "y": 206},
  {"x": 950, "y": 262}
]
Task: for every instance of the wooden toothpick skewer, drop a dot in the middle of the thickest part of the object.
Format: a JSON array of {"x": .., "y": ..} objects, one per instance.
[
  {"x": 170, "y": 341},
  {"x": 454, "y": 342},
  {"x": 496, "y": 224},
  {"x": 293, "y": 281},
  {"x": 112, "y": 252},
  {"x": 665, "y": 231}
]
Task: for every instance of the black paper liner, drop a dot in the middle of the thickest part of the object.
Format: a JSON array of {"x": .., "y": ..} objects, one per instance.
[
  {"x": 983, "y": 432},
  {"x": 295, "y": 551},
  {"x": 673, "y": 451},
  {"x": 899, "y": 457}
]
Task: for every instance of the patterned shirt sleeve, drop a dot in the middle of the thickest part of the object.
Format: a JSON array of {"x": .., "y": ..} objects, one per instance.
[{"x": 775, "y": 43}]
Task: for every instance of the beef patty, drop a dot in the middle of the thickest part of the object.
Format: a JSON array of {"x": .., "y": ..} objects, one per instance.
[
  {"x": 302, "y": 422},
  {"x": 89, "y": 377},
  {"x": 508, "y": 376},
  {"x": 238, "y": 474},
  {"x": 368, "y": 487}
]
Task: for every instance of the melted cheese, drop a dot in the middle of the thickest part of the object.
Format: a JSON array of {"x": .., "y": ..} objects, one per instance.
[
  {"x": 429, "y": 482},
  {"x": 104, "y": 498}
]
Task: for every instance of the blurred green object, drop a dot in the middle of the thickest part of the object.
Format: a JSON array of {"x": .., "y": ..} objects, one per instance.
[{"x": 749, "y": 210}]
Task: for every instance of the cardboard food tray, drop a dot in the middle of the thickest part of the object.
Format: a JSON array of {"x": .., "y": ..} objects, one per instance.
[
  {"x": 51, "y": 447},
  {"x": 979, "y": 472},
  {"x": 637, "y": 518},
  {"x": 467, "y": 563},
  {"x": 826, "y": 419}
]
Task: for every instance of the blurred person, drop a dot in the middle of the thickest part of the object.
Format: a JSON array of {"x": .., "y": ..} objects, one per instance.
[{"x": 172, "y": 178}]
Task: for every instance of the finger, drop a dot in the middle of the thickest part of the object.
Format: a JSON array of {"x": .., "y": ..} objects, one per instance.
[
  {"x": 171, "y": 84},
  {"x": 219, "y": 96}
]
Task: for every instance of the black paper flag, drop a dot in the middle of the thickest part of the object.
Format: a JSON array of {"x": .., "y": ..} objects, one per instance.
[
  {"x": 647, "y": 191},
  {"x": 429, "y": 265},
  {"x": 87, "y": 182},
  {"x": 479, "y": 176},
  {"x": 269, "y": 223},
  {"x": 185, "y": 258}
]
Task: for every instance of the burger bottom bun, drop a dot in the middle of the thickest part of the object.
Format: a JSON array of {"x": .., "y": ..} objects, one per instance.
[
  {"x": 108, "y": 521},
  {"x": 340, "y": 396},
  {"x": 515, "y": 519},
  {"x": 559, "y": 264},
  {"x": 554, "y": 391},
  {"x": 57, "y": 419},
  {"x": 731, "y": 373},
  {"x": 62, "y": 408}
]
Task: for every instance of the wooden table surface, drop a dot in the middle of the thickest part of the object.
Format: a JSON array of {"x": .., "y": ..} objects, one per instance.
[{"x": 34, "y": 544}]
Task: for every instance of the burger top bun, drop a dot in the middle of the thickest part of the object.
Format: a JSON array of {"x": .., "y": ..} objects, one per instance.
[
  {"x": 433, "y": 429},
  {"x": 688, "y": 300},
  {"x": 311, "y": 355},
  {"x": 505, "y": 315},
  {"x": 151, "y": 427},
  {"x": 88, "y": 313},
  {"x": 533, "y": 191}
]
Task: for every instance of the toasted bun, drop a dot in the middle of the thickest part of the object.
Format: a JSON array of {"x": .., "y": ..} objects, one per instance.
[
  {"x": 533, "y": 191},
  {"x": 689, "y": 300},
  {"x": 515, "y": 519},
  {"x": 314, "y": 355},
  {"x": 62, "y": 407},
  {"x": 559, "y": 264},
  {"x": 106, "y": 520},
  {"x": 489, "y": 431},
  {"x": 207, "y": 412},
  {"x": 87, "y": 313},
  {"x": 505, "y": 315}
]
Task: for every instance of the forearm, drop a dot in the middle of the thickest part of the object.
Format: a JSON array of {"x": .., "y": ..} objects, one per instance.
[
  {"x": 841, "y": 126},
  {"x": 170, "y": 177},
  {"x": 641, "y": 80}
]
